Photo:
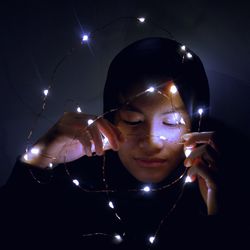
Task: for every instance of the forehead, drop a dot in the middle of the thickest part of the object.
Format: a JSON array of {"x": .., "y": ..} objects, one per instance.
[{"x": 161, "y": 99}]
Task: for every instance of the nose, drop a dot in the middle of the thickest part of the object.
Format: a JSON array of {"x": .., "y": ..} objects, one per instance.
[{"x": 151, "y": 140}]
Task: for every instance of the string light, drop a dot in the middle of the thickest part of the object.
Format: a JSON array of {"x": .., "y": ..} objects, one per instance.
[
  {"x": 118, "y": 238},
  {"x": 151, "y": 89},
  {"x": 173, "y": 90},
  {"x": 183, "y": 48},
  {"x": 85, "y": 38},
  {"x": 151, "y": 239},
  {"x": 26, "y": 158},
  {"x": 45, "y": 92},
  {"x": 79, "y": 109},
  {"x": 141, "y": 19},
  {"x": 188, "y": 179},
  {"x": 188, "y": 151},
  {"x": 189, "y": 55},
  {"x": 200, "y": 111},
  {"x": 90, "y": 121},
  {"x": 146, "y": 189},
  {"x": 76, "y": 182},
  {"x": 111, "y": 205},
  {"x": 35, "y": 151}
]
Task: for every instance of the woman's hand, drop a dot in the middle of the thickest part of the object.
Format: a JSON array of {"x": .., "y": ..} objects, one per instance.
[
  {"x": 73, "y": 137},
  {"x": 203, "y": 166}
]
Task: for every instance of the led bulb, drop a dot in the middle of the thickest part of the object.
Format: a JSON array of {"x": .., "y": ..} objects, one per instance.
[
  {"x": 79, "y": 110},
  {"x": 85, "y": 38},
  {"x": 151, "y": 89},
  {"x": 182, "y": 121},
  {"x": 90, "y": 121},
  {"x": 151, "y": 239},
  {"x": 118, "y": 238},
  {"x": 111, "y": 205},
  {"x": 173, "y": 89},
  {"x": 35, "y": 151},
  {"x": 187, "y": 151},
  {"x": 189, "y": 55},
  {"x": 141, "y": 19},
  {"x": 46, "y": 91},
  {"x": 50, "y": 165},
  {"x": 188, "y": 179},
  {"x": 183, "y": 47},
  {"x": 163, "y": 137},
  {"x": 26, "y": 158},
  {"x": 200, "y": 111},
  {"x": 146, "y": 189},
  {"x": 76, "y": 182}
]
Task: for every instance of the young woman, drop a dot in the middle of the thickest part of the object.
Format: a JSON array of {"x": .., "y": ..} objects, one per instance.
[{"x": 152, "y": 95}]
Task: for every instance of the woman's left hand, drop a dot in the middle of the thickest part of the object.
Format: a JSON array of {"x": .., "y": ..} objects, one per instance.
[{"x": 203, "y": 166}]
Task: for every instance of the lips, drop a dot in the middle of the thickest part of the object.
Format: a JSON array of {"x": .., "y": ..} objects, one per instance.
[{"x": 150, "y": 162}]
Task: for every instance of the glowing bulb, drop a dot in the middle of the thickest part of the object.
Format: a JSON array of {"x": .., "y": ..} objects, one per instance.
[
  {"x": 189, "y": 55},
  {"x": 76, "y": 182},
  {"x": 146, "y": 189},
  {"x": 200, "y": 111},
  {"x": 173, "y": 89},
  {"x": 50, "y": 165},
  {"x": 151, "y": 89},
  {"x": 90, "y": 121},
  {"x": 118, "y": 238},
  {"x": 163, "y": 137},
  {"x": 151, "y": 239},
  {"x": 111, "y": 204},
  {"x": 183, "y": 47},
  {"x": 187, "y": 151},
  {"x": 85, "y": 38},
  {"x": 46, "y": 91},
  {"x": 79, "y": 110},
  {"x": 182, "y": 121},
  {"x": 188, "y": 179},
  {"x": 26, "y": 157},
  {"x": 141, "y": 19},
  {"x": 35, "y": 151}
]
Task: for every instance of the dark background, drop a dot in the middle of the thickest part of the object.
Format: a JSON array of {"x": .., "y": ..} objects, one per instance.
[{"x": 35, "y": 35}]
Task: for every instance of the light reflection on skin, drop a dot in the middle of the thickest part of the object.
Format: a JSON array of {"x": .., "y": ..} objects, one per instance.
[{"x": 145, "y": 122}]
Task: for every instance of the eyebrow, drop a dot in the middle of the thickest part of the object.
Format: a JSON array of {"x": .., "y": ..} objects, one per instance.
[{"x": 130, "y": 107}]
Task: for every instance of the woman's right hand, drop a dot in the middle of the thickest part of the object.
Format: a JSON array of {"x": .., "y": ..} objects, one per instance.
[{"x": 72, "y": 137}]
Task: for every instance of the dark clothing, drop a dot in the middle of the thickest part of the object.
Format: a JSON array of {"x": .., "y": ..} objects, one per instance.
[{"x": 58, "y": 214}]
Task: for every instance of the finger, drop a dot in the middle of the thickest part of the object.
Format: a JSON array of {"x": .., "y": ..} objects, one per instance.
[
  {"x": 85, "y": 139},
  {"x": 199, "y": 169},
  {"x": 204, "y": 151},
  {"x": 197, "y": 137},
  {"x": 97, "y": 139},
  {"x": 110, "y": 132}
]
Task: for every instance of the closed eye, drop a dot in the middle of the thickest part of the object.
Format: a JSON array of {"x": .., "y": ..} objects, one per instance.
[{"x": 132, "y": 123}]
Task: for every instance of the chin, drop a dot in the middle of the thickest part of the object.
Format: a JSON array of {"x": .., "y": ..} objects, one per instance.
[{"x": 152, "y": 178}]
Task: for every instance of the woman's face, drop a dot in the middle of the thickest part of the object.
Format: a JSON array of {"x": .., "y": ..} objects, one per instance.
[{"x": 153, "y": 125}]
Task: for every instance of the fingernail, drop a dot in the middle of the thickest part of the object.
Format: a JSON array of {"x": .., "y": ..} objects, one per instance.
[
  {"x": 186, "y": 136},
  {"x": 188, "y": 163}
]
